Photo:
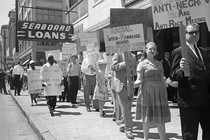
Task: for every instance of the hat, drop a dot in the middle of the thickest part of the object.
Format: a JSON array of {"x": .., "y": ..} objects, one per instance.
[
  {"x": 102, "y": 62},
  {"x": 50, "y": 55},
  {"x": 139, "y": 53},
  {"x": 31, "y": 62}
]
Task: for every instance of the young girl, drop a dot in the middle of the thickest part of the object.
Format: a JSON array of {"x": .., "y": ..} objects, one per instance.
[{"x": 101, "y": 91}]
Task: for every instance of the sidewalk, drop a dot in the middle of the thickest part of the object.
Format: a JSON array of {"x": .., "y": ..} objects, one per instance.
[{"x": 78, "y": 124}]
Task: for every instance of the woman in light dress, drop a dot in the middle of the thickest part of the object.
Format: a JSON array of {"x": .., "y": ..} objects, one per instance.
[
  {"x": 101, "y": 90},
  {"x": 152, "y": 106}
]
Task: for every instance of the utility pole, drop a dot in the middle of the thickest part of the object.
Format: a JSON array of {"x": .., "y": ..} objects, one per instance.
[{"x": 16, "y": 21}]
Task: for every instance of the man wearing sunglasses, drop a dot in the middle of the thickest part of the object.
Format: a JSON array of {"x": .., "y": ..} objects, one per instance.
[{"x": 193, "y": 91}]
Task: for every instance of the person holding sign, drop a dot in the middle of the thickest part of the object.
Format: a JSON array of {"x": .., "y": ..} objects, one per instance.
[
  {"x": 73, "y": 71},
  {"x": 51, "y": 77},
  {"x": 101, "y": 90},
  {"x": 152, "y": 103},
  {"x": 89, "y": 81},
  {"x": 33, "y": 93},
  {"x": 193, "y": 90},
  {"x": 121, "y": 88}
]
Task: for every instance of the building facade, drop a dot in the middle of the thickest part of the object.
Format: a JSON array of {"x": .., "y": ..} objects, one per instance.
[
  {"x": 5, "y": 45},
  {"x": 45, "y": 11},
  {"x": 97, "y": 17}
]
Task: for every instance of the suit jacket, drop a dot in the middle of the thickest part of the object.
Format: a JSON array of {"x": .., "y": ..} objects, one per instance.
[
  {"x": 119, "y": 68},
  {"x": 193, "y": 91},
  {"x": 166, "y": 67}
]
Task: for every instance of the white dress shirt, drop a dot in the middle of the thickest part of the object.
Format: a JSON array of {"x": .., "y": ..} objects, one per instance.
[
  {"x": 73, "y": 69},
  {"x": 18, "y": 70},
  {"x": 85, "y": 67}
]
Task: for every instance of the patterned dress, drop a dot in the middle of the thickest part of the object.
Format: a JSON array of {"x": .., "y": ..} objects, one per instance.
[
  {"x": 101, "y": 82},
  {"x": 152, "y": 104}
]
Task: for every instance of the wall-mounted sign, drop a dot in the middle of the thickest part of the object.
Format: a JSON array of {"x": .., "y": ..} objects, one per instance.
[{"x": 28, "y": 30}]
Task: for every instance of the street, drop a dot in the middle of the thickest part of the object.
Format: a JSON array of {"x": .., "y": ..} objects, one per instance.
[{"x": 13, "y": 124}]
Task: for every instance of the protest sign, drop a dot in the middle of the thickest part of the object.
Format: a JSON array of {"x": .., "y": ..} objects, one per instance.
[
  {"x": 55, "y": 53},
  {"x": 124, "y": 38},
  {"x": 68, "y": 49},
  {"x": 52, "y": 80},
  {"x": 85, "y": 38},
  {"x": 173, "y": 13},
  {"x": 34, "y": 81}
]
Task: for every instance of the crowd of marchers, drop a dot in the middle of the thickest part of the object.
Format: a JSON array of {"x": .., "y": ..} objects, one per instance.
[{"x": 154, "y": 84}]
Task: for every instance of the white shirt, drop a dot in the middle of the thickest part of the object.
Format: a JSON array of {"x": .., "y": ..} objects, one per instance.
[
  {"x": 18, "y": 70},
  {"x": 47, "y": 67},
  {"x": 73, "y": 69},
  {"x": 85, "y": 67},
  {"x": 193, "y": 49}
]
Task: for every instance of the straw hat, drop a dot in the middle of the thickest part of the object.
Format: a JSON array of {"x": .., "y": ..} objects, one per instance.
[{"x": 32, "y": 62}]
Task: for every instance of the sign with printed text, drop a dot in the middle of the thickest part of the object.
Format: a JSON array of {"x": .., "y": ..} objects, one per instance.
[
  {"x": 53, "y": 81},
  {"x": 29, "y": 30},
  {"x": 91, "y": 41},
  {"x": 173, "y": 13},
  {"x": 34, "y": 81},
  {"x": 55, "y": 53},
  {"x": 124, "y": 38},
  {"x": 69, "y": 49}
]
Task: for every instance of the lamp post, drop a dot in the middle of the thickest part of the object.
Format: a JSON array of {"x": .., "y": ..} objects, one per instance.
[{"x": 16, "y": 29}]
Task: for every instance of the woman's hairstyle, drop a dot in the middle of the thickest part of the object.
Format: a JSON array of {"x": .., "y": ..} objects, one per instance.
[{"x": 144, "y": 55}]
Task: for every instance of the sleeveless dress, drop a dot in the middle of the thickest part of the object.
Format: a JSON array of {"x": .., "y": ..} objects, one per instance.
[
  {"x": 152, "y": 104},
  {"x": 100, "y": 81}
]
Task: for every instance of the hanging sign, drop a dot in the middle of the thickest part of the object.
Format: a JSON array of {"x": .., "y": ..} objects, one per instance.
[{"x": 28, "y": 30}]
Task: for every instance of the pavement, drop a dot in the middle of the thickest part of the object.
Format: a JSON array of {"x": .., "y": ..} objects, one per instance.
[{"x": 75, "y": 123}]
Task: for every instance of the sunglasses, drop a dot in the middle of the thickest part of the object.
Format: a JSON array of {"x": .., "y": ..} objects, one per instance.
[{"x": 193, "y": 32}]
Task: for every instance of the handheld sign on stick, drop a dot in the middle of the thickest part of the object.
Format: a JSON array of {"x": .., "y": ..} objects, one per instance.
[{"x": 184, "y": 47}]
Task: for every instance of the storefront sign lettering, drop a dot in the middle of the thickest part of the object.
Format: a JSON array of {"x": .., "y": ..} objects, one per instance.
[{"x": 44, "y": 31}]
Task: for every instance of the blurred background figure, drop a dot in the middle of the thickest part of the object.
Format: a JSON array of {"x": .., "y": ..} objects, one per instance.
[
  {"x": 2, "y": 81},
  {"x": 17, "y": 74}
]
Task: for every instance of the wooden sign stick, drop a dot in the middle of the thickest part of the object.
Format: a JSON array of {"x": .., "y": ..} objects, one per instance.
[
  {"x": 184, "y": 47},
  {"x": 128, "y": 71}
]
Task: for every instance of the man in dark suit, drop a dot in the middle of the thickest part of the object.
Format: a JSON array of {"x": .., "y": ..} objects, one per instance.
[{"x": 193, "y": 91}]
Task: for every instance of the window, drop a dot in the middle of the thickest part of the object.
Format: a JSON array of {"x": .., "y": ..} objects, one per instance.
[
  {"x": 49, "y": 15},
  {"x": 72, "y": 2}
]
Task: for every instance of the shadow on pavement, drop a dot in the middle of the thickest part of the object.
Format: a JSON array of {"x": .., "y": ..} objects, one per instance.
[{"x": 60, "y": 113}]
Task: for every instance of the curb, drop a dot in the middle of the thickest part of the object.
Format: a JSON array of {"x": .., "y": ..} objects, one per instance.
[{"x": 40, "y": 129}]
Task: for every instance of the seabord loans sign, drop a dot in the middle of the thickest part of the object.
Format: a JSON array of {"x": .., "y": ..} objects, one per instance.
[{"x": 28, "y": 30}]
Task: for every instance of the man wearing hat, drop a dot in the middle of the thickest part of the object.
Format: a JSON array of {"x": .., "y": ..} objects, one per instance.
[
  {"x": 48, "y": 67},
  {"x": 17, "y": 74}
]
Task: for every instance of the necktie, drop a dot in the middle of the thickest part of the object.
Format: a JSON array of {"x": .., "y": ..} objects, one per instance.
[{"x": 198, "y": 54}]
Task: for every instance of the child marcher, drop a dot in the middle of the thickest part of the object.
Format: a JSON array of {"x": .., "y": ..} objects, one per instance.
[{"x": 101, "y": 90}]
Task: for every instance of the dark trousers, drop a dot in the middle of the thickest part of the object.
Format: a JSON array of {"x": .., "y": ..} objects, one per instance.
[
  {"x": 190, "y": 119},
  {"x": 3, "y": 86},
  {"x": 73, "y": 88},
  {"x": 51, "y": 102},
  {"x": 65, "y": 92},
  {"x": 17, "y": 84}
]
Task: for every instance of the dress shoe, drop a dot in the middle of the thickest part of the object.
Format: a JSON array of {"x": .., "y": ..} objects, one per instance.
[
  {"x": 88, "y": 110},
  {"x": 122, "y": 129},
  {"x": 97, "y": 109},
  {"x": 103, "y": 114},
  {"x": 129, "y": 134}
]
